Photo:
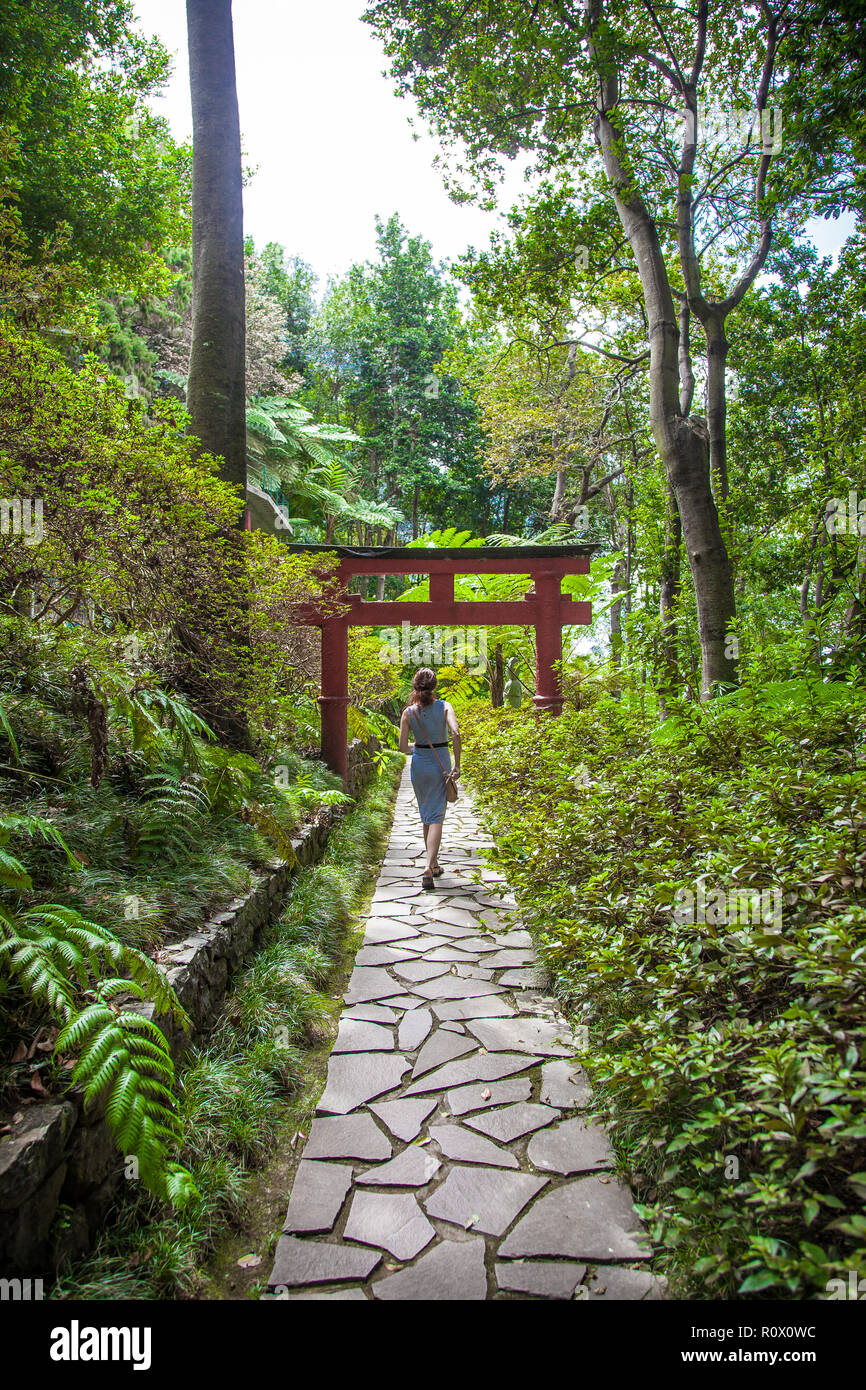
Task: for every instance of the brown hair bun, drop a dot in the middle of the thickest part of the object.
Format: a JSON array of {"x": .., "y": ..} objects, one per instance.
[{"x": 424, "y": 685}]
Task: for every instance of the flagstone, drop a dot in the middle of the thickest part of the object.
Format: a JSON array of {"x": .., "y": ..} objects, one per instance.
[
  {"x": 453, "y": 987},
  {"x": 414, "y": 1167},
  {"x": 414, "y": 1027},
  {"x": 472, "y": 972},
  {"x": 513, "y": 1121},
  {"x": 504, "y": 960},
  {"x": 404, "y": 1118},
  {"x": 345, "y": 1295},
  {"x": 530, "y": 978},
  {"x": 356, "y": 1077},
  {"x": 582, "y": 1220},
  {"x": 442, "y": 1047},
  {"x": 451, "y": 954},
  {"x": 350, "y": 1136},
  {"x": 371, "y": 1013},
  {"x": 451, "y": 1272},
  {"x": 319, "y": 1262},
  {"x": 611, "y": 1282},
  {"x": 382, "y": 955},
  {"x": 356, "y": 1035},
  {"x": 518, "y": 939},
  {"x": 406, "y": 1001},
  {"x": 318, "y": 1193},
  {"x": 564, "y": 1084},
  {"x": 572, "y": 1147},
  {"x": 522, "y": 1034},
  {"x": 483, "y": 1199},
  {"x": 390, "y": 909},
  {"x": 379, "y": 932},
  {"x": 443, "y": 931},
  {"x": 394, "y": 1221},
  {"x": 369, "y": 983},
  {"x": 465, "y": 1098},
  {"x": 466, "y": 1147},
  {"x": 474, "y": 1008},
  {"x": 543, "y": 1278},
  {"x": 420, "y": 970},
  {"x": 479, "y": 1067}
]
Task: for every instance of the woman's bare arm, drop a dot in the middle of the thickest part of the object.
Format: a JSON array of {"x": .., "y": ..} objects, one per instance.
[
  {"x": 456, "y": 740},
  {"x": 404, "y": 732}
]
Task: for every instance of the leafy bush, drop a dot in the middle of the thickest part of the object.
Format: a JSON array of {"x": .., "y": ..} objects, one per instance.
[{"x": 727, "y": 1056}]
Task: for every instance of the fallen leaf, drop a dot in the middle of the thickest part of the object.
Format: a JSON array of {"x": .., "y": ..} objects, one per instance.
[
  {"x": 486, "y": 1093},
  {"x": 36, "y": 1084},
  {"x": 20, "y": 1053},
  {"x": 471, "y": 1222},
  {"x": 603, "y": 1179},
  {"x": 249, "y": 1261}
]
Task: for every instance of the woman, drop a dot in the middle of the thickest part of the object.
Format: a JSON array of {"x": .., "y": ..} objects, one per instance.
[{"x": 429, "y": 720}]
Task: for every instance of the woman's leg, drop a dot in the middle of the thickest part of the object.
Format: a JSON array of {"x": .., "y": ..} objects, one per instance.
[{"x": 432, "y": 839}]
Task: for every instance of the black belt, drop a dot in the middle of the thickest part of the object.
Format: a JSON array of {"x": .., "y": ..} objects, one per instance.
[{"x": 429, "y": 745}]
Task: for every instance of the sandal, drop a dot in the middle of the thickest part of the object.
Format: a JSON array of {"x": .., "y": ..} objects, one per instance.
[
  {"x": 438, "y": 871},
  {"x": 427, "y": 881}
]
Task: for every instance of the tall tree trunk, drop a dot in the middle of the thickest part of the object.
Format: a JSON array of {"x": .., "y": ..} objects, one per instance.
[
  {"x": 682, "y": 441},
  {"x": 670, "y": 592},
  {"x": 617, "y": 585},
  {"x": 216, "y": 394},
  {"x": 216, "y": 641}
]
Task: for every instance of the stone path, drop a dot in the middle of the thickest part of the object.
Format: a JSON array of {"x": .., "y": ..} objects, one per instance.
[{"x": 449, "y": 1158}]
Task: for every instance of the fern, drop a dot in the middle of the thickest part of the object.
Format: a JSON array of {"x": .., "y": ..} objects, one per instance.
[
  {"x": 54, "y": 954},
  {"x": 263, "y": 818},
  {"x": 124, "y": 1061}
]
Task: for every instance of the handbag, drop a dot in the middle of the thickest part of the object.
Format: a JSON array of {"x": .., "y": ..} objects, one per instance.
[{"x": 450, "y": 784}]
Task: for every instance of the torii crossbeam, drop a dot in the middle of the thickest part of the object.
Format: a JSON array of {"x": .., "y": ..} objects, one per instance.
[{"x": 544, "y": 607}]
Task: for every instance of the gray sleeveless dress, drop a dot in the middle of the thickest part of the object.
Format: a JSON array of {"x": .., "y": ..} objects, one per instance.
[{"x": 428, "y": 780}]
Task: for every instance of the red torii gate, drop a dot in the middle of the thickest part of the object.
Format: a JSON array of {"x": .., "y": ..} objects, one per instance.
[{"x": 544, "y": 607}]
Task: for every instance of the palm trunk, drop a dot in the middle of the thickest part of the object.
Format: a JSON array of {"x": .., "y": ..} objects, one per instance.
[
  {"x": 216, "y": 394},
  {"x": 217, "y": 656}
]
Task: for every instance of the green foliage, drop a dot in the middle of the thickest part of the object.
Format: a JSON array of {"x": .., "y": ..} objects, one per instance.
[
  {"x": 91, "y": 156},
  {"x": 298, "y": 461},
  {"x": 236, "y": 1084},
  {"x": 727, "y": 1055},
  {"x": 61, "y": 961}
]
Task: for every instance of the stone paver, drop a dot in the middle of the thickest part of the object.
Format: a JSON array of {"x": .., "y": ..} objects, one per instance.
[{"x": 446, "y": 1137}]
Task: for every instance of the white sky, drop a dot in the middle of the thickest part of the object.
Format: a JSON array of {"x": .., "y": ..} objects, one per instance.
[
  {"x": 323, "y": 128},
  {"x": 329, "y": 138}
]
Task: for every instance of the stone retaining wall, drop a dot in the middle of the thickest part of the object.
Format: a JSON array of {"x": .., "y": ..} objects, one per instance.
[{"x": 59, "y": 1168}]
